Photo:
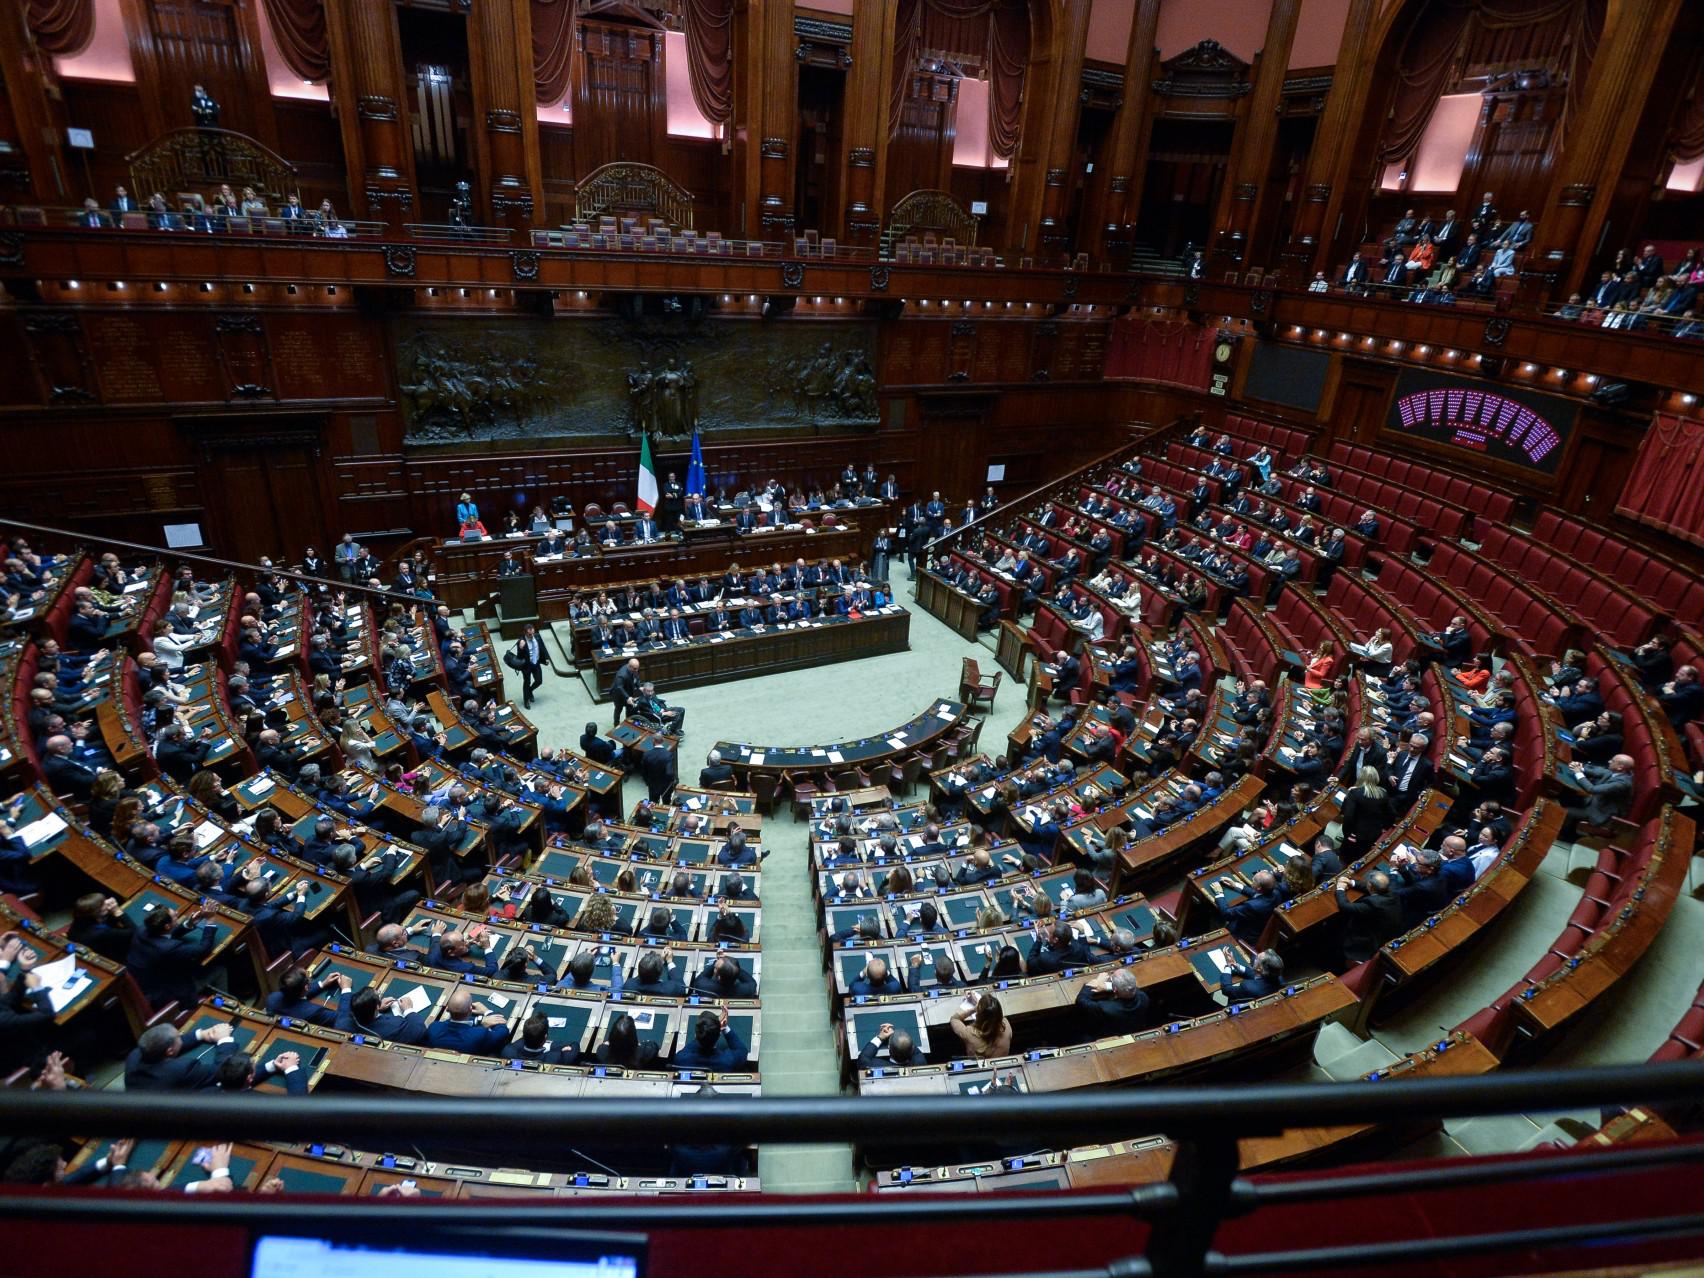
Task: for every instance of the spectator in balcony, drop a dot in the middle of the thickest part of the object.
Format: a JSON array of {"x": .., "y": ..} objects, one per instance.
[
  {"x": 1503, "y": 259},
  {"x": 1320, "y": 283},
  {"x": 1356, "y": 274},
  {"x": 1688, "y": 280},
  {"x": 160, "y": 215},
  {"x": 1608, "y": 291},
  {"x": 1690, "y": 327},
  {"x": 1407, "y": 230},
  {"x": 1393, "y": 262},
  {"x": 122, "y": 202},
  {"x": 1485, "y": 216},
  {"x": 292, "y": 210},
  {"x": 253, "y": 205},
  {"x": 1572, "y": 309},
  {"x": 1445, "y": 232},
  {"x": 91, "y": 215},
  {"x": 1482, "y": 285},
  {"x": 1648, "y": 266},
  {"x": 1518, "y": 234},
  {"x": 1420, "y": 258},
  {"x": 1621, "y": 315}
]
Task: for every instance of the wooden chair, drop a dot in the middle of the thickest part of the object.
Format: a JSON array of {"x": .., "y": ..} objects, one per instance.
[
  {"x": 764, "y": 786},
  {"x": 974, "y": 687},
  {"x": 903, "y": 778}
]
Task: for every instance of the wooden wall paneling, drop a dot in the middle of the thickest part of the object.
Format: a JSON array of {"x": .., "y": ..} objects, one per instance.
[
  {"x": 309, "y": 137},
  {"x": 620, "y": 100},
  {"x": 557, "y": 173},
  {"x": 1512, "y": 150},
  {"x": 177, "y": 44},
  {"x": 920, "y": 153},
  {"x": 60, "y": 356},
  {"x": 263, "y": 481},
  {"x": 245, "y": 358},
  {"x": 1363, "y": 397}
]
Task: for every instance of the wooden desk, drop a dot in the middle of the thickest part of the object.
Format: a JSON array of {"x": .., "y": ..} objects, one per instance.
[
  {"x": 960, "y": 611},
  {"x": 920, "y": 734},
  {"x": 717, "y": 658}
]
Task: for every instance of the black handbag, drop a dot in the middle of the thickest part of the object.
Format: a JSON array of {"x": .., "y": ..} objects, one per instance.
[{"x": 512, "y": 659}]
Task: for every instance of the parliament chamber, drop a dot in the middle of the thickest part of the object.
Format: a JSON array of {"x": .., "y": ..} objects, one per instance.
[{"x": 983, "y": 636}]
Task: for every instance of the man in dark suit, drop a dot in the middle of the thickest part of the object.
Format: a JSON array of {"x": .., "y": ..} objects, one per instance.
[
  {"x": 1246, "y": 919},
  {"x": 1264, "y": 976},
  {"x": 1409, "y": 772},
  {"x": 1607, "y": 792},
  {"x": 458, "y": 1030},
  {"x": 1113, "y": 1003},
  {"x": 656, "y": 976},
  {"x": 122, "y": 202},
  {"x": 157, "y": 1063},
  {"x": 295, "y": 997},
  {"x": 1369, "y": 921},
  {"x": 166, "y": 959},
  {"x": 657, "y": 766},
  {"x": 534, "y": 1044},
  {"x": 716, "y": 1047},
  {"x": 716, "y": 773},
  {"x": 530, "y": 658},
  {"x": 1423, "y": 891},
  {"x": 599, "y": 749},
  {"x": 1682, "y": 698},
  {"x": 725, "y": 978},
  {"x": 1067, "y": 673},
  {"x": 625, "y": 690},
  {"x": 391, "y": 943},
  {"x": 1368, "y": 753},
  {"x": 65, "y": 774},
  {"x": 901, "y": 1049},
  {"x": 366, "y": 1013}
]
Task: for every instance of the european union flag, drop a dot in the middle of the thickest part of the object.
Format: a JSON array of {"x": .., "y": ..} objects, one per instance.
[{"x": 695, "y": 470}]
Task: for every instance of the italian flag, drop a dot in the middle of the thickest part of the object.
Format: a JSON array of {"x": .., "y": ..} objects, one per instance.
[{"x": 647, "y": 478}]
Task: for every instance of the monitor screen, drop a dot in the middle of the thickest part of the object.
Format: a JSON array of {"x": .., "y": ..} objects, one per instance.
[
  {"x": 583, "y": 1256},
  {"x": 1288, "y": 375}
]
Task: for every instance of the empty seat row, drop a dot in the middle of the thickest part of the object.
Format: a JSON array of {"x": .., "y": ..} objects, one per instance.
[
  {"x": 1429, "y": 512},
  {"x": 1284, "y": 441},
  {"x": 1669, "y": 586},
  {"x": 1627, "y": 898},
  {"x": 1612, "y": 611},
  {"x": 1532, "y": 622},
  {"x": 1431, "y": 602},
  {"x": 1486, "y": 500}
]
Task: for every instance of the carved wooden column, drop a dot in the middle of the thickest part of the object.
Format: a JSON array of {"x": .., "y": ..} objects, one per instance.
[
  {"x": 780, "y": 120},
  {"x": 370, "y": 92},
  {"x": 865, "y": 133},
  {"x": 1127, "y": 149},
  {"x": 505, "y": 113},
  {"x": 1257, "y": 133},
  {"x": 1052, "y": 88},
  {"x": 765, "y": 116},
  {"x": 37, "y": 168},
  {"x": 1595, "y": 151},
  {"x": 1309, "y": 249}
]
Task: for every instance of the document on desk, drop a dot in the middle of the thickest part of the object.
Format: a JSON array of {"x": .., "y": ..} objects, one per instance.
[
  {"x": 834, "y": 756},
  {"x": 63, "y": 980},
  {"x": 41, "y": 829},
  {"x": 416, "y": 1000},
  {"x": 758, "y": 758}
]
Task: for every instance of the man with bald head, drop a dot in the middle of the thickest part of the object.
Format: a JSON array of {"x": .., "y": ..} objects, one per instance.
[
  {"x": 467, "y": 1026},
  {"x": 1457, "y": 868},
  {"x": 901, "y": 1049},
  {"x": 1368, "y": 921},
  {"x": 65, "y": 774},
  {"x": 875, "y": 980},
  {"x": 1606, "y": 793}
]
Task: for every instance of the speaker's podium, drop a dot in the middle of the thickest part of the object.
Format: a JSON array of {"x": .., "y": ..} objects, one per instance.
[{"x": 517, "y": 604}]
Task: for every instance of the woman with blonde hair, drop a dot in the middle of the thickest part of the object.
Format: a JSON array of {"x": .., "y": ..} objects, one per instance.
[
  {"x": 1366, "y": 814},
  {"x": 357, "y": 746}
]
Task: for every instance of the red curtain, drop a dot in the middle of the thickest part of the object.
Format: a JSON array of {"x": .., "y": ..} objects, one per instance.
[
  {"x": 1686, "y": 143},
  {"x": 1008, "y": 59},
  {"x": 553, "y": 49},
  {"x": 1450, "y": 38},
  {"x": 710, "y": 56},
  {"x": 1666, "y": 488},
  {"x": 994, "y": 32},
  {"x": 61, "y": 27},
  {"x": 1160, "y": 348},
  {"x": 299, "y": 28}
]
